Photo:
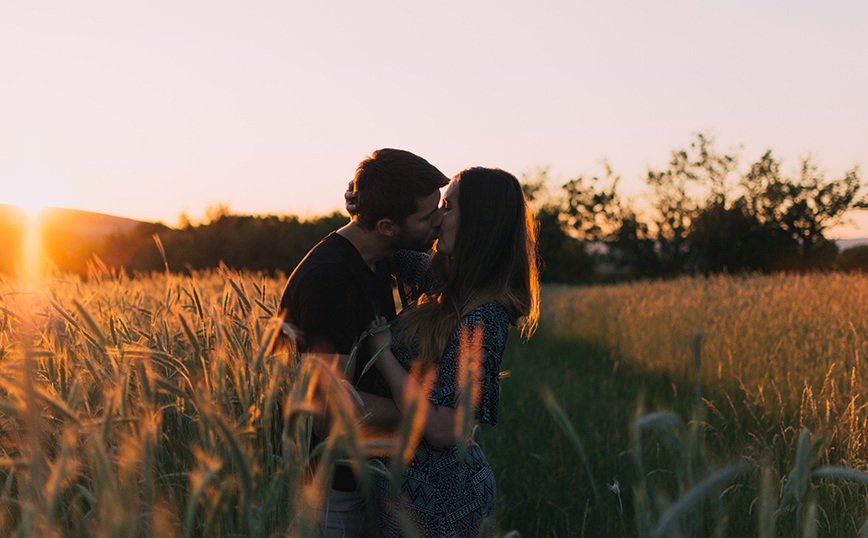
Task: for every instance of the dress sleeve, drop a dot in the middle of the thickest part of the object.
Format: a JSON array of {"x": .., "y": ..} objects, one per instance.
[
  {"x": 492, "y": 319},
  {"x": 413, "y": 275}
]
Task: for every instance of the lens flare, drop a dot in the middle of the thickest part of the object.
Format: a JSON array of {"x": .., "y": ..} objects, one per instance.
[
  {"x": 32, "y": 245},
  {"x": 32, "y": 188}
]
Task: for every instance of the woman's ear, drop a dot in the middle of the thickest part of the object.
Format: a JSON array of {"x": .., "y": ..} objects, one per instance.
[{"x": 386, "y": 227}]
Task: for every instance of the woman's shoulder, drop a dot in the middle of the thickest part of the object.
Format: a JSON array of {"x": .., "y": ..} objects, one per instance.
[
  {"x": 413, "y": 274},
  {"x": 410, "y": 257}
]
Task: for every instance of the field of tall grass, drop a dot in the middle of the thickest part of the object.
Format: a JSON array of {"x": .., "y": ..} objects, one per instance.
[
  {"x": 160, "y": 406},
  {"x": 777, "y": 351},
  {"x": 742, "y": 395},
  {"x": 163, "y": 406},
  {"x": 145, "y": 408}
]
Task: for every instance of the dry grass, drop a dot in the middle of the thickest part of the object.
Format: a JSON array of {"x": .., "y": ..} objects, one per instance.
[
  {"x": 168, "y": 406},
  {"x": 146, "y": 408},
  {"x": 785, "y": 351}
]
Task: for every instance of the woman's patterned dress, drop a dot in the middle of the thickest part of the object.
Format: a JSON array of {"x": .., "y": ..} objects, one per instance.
[{"x": 441, "y": 494}]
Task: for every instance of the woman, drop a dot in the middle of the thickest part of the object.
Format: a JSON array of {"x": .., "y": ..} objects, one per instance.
[{"x": 481, "y": 280}]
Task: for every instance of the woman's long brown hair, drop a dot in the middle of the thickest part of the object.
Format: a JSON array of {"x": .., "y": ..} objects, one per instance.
[{"x": 494, "y": 259}]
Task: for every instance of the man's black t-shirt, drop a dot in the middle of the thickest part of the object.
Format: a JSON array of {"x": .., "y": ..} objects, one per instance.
[{"x": 331, "y": 297}]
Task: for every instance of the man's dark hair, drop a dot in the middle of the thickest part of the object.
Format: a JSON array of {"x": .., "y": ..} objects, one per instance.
[{"x": 389, "y": 183}]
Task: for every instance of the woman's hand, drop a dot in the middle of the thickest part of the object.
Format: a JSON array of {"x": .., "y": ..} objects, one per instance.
[
  {"x": 380, "y": 339},
  {"x": 350, "y": 198}
]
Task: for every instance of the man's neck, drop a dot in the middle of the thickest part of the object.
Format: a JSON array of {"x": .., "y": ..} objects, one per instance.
[{"x": 369, "y": 243}]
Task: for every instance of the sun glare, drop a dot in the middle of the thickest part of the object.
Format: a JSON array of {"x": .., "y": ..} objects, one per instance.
[
  {"x": 32, "y": 247},
  {"x": 34, "y": 186},
  {"x": 31, "y": 190},
  {"x": 27, "y": 197}
]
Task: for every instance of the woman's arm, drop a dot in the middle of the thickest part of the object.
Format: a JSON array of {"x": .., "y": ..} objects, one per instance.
[{"x": 440, "y": 420}]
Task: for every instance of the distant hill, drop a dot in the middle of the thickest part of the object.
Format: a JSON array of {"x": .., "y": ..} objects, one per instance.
[
  {"x": 844, "y": 244},
  {"x": 69, "y": 236},
  {"x": 12, "y": 222},
  {"x": 84, "y": 225}
]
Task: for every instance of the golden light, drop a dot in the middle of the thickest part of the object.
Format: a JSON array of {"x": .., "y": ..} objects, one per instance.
[
  {"x": 26, "y": 194},
  {"x": 31, "y": 191},
  {"x": 32, "y": 245},
  {"x": 34, "y": 186}
]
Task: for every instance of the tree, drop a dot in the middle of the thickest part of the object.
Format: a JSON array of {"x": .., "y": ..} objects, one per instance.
[
  {"x": 733, "y": 239},
  {"x": 632, "y": 249},
  {"x": 564, "y": 258},
  {"x": 591, "y": 210},
  {"x": 694, "y": 174},
  {"x": 805, "y": 206}
]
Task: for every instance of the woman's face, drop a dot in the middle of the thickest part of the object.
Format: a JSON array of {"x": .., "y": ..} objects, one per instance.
[{"x": 449, "y": 222}]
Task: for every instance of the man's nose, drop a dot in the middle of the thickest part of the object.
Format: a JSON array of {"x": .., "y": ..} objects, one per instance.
[{"x": 436, "y": 219}]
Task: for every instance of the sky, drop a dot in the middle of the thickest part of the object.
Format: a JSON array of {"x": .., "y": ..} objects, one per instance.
[{"x": 153, "y": 109}]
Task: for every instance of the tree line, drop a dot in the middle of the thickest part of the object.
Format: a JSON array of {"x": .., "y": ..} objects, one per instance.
[
  {"x": 268, "y": 243},
  {"x": 702, "y": 214}
]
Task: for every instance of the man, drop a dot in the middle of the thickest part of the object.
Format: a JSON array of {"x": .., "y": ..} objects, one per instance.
[{"x": 344, "y": 282}]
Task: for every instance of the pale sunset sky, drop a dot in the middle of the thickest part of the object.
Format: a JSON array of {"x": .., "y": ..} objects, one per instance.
[{"x": 151, "y": 109}]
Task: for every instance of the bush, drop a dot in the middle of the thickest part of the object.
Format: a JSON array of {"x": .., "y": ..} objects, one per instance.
[{"x": 854, "y": 259}]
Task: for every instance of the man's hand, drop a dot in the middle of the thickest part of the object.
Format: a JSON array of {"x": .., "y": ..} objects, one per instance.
[
  {"x": 381, "y": 339},
  {"x": 351, "y": 198}
]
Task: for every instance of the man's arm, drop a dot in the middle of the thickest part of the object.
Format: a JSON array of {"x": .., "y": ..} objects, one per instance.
[{"x": 383, "y": 416}]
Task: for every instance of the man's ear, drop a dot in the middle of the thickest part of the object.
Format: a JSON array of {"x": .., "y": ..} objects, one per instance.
[{"x": 387, "y": 227}]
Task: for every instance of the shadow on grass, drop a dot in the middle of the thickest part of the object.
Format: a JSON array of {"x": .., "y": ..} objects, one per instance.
[{"x": 543, "y": 486}]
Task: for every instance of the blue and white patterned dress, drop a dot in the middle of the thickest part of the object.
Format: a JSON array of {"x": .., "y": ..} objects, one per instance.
[{"x": 443, "y": 495}]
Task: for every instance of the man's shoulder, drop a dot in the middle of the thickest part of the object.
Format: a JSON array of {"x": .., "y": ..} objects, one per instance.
[
  {"x": 332, "y": 247},
  {"x": 330, "y": 265},
  {"x": 331, "y": 251}
]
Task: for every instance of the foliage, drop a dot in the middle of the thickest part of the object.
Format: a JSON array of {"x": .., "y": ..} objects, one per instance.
[
  {"x": 731, "y": 239},
  {"x": 854, "y": 259},
  {"x": 675, "y": 205},
  {"x": 703, "y": 216},
  {"x": 807, "y": 206},
  {"x": 269, "y": 243},
  {"x": 590, "y": 211},
  {"x": 564, "y": 257}
]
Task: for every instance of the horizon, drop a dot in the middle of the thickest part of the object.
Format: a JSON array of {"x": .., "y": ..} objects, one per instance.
[{"x": 853, "y": 238}]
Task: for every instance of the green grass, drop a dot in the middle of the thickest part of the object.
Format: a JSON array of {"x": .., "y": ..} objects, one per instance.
[{"x": 545, "y": 490}]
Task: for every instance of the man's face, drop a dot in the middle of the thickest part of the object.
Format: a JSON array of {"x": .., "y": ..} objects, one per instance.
[{"x": 420, "y": 229}]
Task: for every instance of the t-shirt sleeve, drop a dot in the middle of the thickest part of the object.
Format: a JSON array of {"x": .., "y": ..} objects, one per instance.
[
  {"x": 413, "y": 275},
  {"x": 328, "y": 309},
  {"x": 492, "y": 320}
]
